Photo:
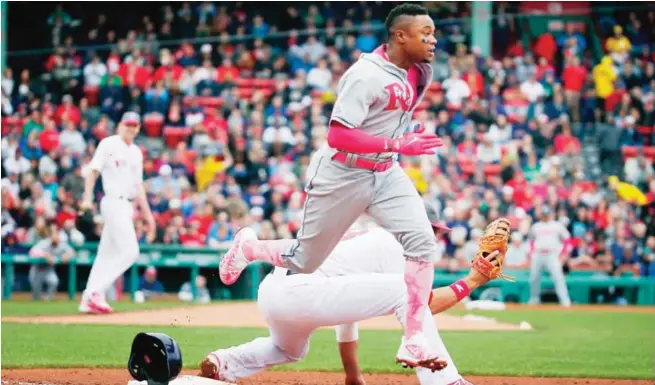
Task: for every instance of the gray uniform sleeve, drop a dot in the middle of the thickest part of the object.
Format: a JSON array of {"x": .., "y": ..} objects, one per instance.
[{"x": 356, "y": 95}]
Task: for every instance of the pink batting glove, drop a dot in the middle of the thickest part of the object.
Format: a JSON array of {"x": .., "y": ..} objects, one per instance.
[{"x": 415, "y": 144}]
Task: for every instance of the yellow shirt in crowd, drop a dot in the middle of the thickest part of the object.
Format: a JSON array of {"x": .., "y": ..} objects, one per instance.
[
  {"x": 604, "y": 77},
  {"x": 207, "y": 171}
]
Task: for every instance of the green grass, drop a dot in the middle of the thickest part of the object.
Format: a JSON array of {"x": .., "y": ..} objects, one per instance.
[
  {"x": 64, "y": 307},
  {"x": 564, "y": 344}
]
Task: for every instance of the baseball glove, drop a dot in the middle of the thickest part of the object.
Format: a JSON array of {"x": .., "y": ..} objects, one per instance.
[{"x": 495, "y": 237}]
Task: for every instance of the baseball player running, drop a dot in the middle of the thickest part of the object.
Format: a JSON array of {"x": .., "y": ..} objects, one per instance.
[
  {"x": 548, "y": 238},
  {"x": 356, "y": 172},
  {"x": 120, "y": 163},
  {"x": 362, "y": 278}
]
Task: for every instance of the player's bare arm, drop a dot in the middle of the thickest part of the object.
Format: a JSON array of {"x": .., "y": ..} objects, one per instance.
[
  {"x": 142, "y": 199},
  {"x": 444, "y": 298},
  {"x": 348, "y": 353},
  {"x": 89, "y": 183}
]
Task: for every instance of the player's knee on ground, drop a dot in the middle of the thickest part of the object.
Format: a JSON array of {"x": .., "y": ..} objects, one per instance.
[{"x": 419, "y": 245}]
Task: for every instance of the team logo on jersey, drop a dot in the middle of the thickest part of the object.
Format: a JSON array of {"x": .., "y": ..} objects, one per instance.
[{"x": 400, "y": 96}]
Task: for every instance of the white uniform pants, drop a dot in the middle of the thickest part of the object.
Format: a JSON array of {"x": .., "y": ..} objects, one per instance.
[
  {"x": 118, "y": 248},
  {"x": 294, "y": 306},
  {"x": 551, "y": 262}
]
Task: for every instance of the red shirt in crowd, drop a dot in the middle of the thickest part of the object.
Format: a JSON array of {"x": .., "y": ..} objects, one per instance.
[
  {"x": 192, "y": 238},
  {"x": 566, "y": 143},
  {"x": 546, "y": 46},
  {"x": 65, "y": 215},
  {"x": 134, "y": 74},
  {"x": 175, "y": 69},
  {"x": 67, "y": 112},
  {"x": 226, "y": 73},
  {"x": 49, "y": 139},
  {"x": 614, "y": 99},
  {"x": 204, "y": 222},
  {"x": 216, "y": 127},
  {"x": 574, "y": 78},
  {"x": 475, "y": 82}
]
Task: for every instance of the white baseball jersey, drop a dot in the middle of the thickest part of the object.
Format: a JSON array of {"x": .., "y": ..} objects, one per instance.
[
  {"x": 120, "y": 166},
  {"x": 362, "y": 278},
  {"x": 548, "y": 237}
]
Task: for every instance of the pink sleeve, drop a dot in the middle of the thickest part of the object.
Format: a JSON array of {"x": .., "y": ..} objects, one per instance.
[{"x": 347, "y": 139}]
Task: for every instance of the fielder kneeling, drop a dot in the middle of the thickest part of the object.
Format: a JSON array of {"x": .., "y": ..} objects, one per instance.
[{"x": 361, "y": 279}]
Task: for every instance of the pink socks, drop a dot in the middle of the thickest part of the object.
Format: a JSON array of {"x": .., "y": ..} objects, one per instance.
[
  {"x": 418, "y": 278},
  {"x": 266, "y": 251}
]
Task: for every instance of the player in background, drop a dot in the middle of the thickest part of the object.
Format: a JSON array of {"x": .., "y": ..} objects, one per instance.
[
  {"x": 361, "y": 279},
  {"x": 549, "y": 239},
  {"x": 120, "y": 164},
  {"x": 356, "y": 172}
]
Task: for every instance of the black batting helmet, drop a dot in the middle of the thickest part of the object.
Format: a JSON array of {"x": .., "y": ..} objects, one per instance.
[{"x": 155, "y": 358}]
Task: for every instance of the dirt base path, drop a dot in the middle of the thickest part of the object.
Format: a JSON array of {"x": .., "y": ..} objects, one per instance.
[
  {"x": 121, "y": 377},
  {"x": 246, "y": 315}
]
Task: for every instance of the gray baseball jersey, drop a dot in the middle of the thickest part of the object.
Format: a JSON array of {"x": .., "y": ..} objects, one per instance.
[
  {"x": 548, "y": 238},
  {"x": 373, "y": 95}
]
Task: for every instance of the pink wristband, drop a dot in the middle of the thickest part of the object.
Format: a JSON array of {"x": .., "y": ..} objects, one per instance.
[{"x": 461, "y": 289}]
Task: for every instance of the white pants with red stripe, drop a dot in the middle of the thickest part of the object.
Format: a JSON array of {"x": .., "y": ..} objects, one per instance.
[
  {"x": 118, "y": 248},
  {"x": 295, "y": 306}
]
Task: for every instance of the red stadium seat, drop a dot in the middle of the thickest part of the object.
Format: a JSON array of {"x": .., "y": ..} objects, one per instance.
[
  {"x": 244, "y": 82},
  {"x": 649, "y": 152},
  {"x": 629, "y": 152},
  {"x": 174, "y": 135},
  {"x": 645, "y": 130},
  {"x": 153, "y": 123},
  {"x": 492, "y": 169},
  {"x": 210, "y": 101},
  {"x": 264, "y": 83},
  {"x": 246, "y": 92}
]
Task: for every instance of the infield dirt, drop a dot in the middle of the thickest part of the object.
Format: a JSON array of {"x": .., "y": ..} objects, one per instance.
[{"x": 121, "y": 377}]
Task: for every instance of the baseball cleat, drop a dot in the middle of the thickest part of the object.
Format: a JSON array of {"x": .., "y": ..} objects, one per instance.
[
  {"x": 235, "y": 261},
  {"x": 94, "y": 304},
  {"x": 415, "y": 352}
]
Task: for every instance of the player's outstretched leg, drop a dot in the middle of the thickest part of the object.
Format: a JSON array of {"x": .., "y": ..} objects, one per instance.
[
  {"x": 415, "y": 350},
  {"x": 247, "y": 248}
]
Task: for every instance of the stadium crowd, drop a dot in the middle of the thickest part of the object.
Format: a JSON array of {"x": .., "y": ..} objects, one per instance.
[{"x": 228, "y": 128}]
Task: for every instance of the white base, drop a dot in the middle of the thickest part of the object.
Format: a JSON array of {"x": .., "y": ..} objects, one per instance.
[{"x": 186, "y": 380}]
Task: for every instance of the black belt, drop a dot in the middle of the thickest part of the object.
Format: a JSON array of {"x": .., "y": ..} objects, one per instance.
[
  {"x": 126, "y": 198},
  {"x": 289, "y": 272}
]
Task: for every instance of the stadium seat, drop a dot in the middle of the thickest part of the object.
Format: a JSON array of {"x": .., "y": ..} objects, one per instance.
[
  {"x": 492, "y": 169},
  {"x": 649, "y": 152},
  {"x": 153, "y": 123},
  {"x": 174, "y": 135},
  {"x": 244, "y": 82},
  {"x": 629, "y": 152},
  {"x": 645, "y": 130}
]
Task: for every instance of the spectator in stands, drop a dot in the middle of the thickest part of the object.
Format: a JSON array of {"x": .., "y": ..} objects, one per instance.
[
  {"x": 149, "y": 286},
  {"x": 456, "y": 89},
  {"x": 202, "y": 293},
  {"x": 618, "y": 46},
  {"x": 48, "y": 252},
  {"x": 604, "y": 76}
]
